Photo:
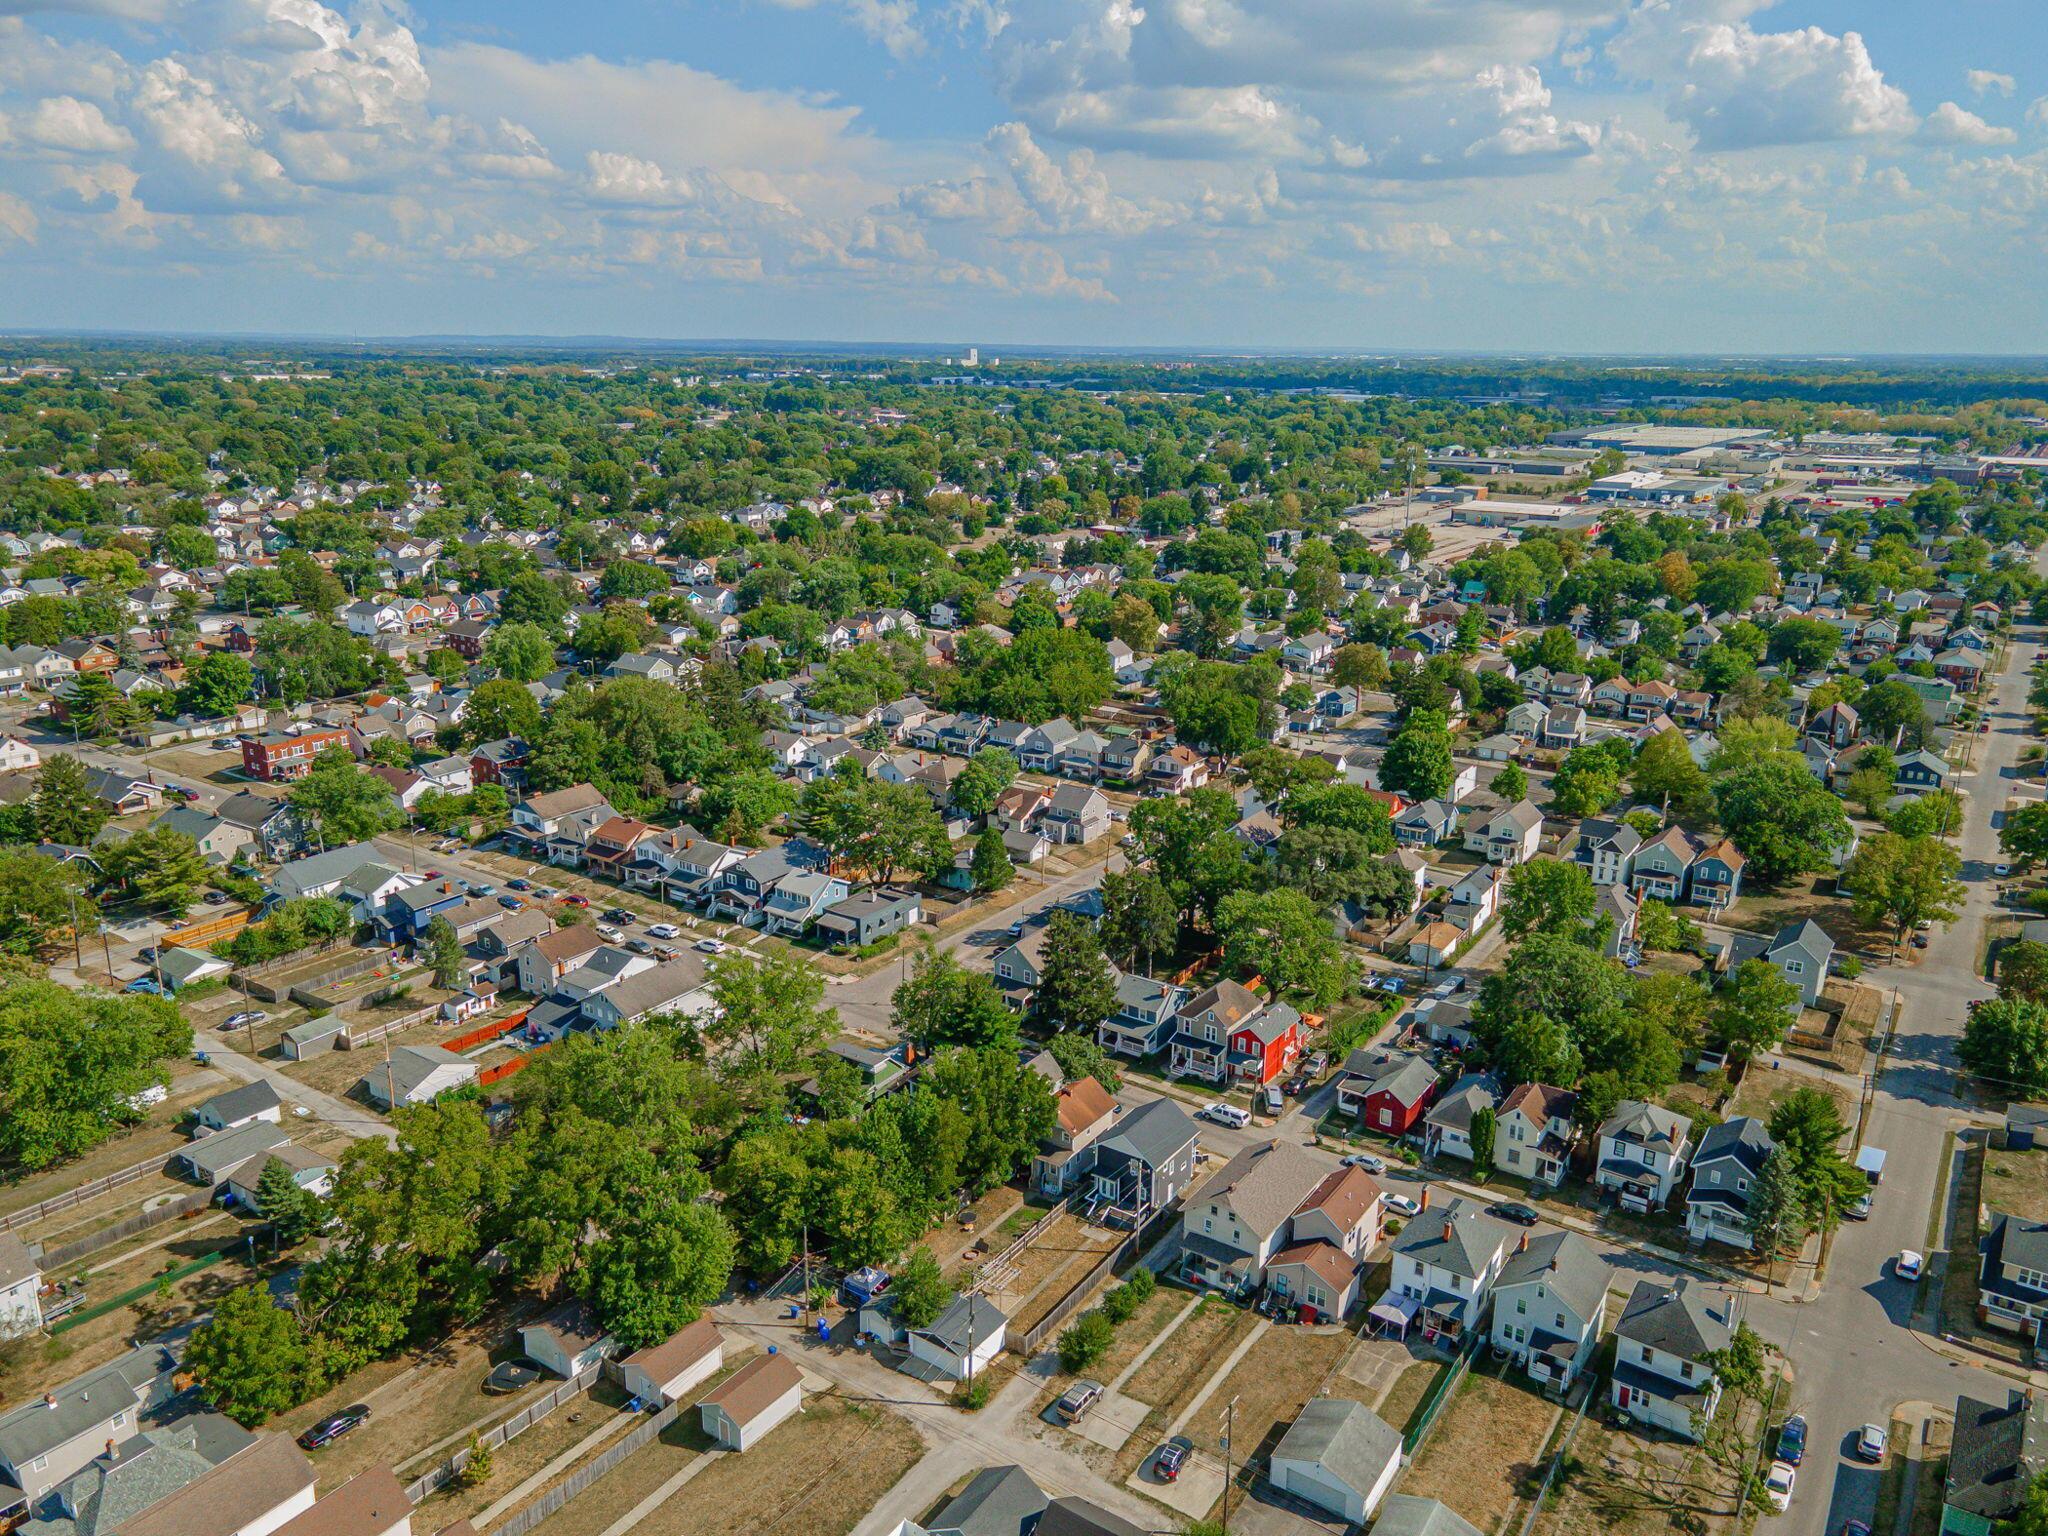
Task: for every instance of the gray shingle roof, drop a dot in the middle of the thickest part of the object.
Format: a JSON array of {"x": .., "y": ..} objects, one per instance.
[
  {"x": 1745, "y": 1139},
  {"x": 1345, "y": 1438},
  {"x": 967, "y": 1322},
  {"x": 1153, "y": 1133},
  {"x": 1403, "y": 1514},
  {"x": 1457, "y": 1237},
  {"x": 1265, "y": 1184},
  {"x": 1565, "y": 1264},
  {"x": 1995, "y": 1455},
  {"x": 1677, "y": 1318},
  {"x": 1000, "y": 1501}
]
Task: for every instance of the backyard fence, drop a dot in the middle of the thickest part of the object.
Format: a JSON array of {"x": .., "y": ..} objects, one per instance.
[
  {"x": 995, "y": 1263},
  {"x": 296, "y": 958},
  {"x": 1439, "y": 1396},
  {"x": 1564, "y": 1450},
  {"x": 29, "y": 1215},
  {"x": 583, "y": 1477},
  {"x": 175, "y": 1273},
  {"x": 54, "y": 1259},
  {"x": 1135, "y": 1244},
  {"x": 520, "y": 1422},
  {"x": 505, "y": 1069},
  {"x": 355, "y": 1040},
  {"x": 484, "y": 1032}
]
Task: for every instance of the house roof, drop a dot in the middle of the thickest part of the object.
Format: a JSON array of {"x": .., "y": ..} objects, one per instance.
[
  {"x": 645, "y": 991},
  {"x": 1650, "y": 1125},
  {"x": 1457, "y": 1237},
  {"x": 1344, "y": 1438},
  {"x": 16, "y": 1262},
  {"x": 565, "y": 944},
  {"x": 1082, "y": 1103},
  {"x": 1564, "y": 1263},
  {"x": 1266, "y": 1183},
  {"x": 564, "y": 802},
  {"x": 1153, "y": 1132},
  {"x": 679, "y": 1351},
  {"x": 246, "y": 1487},
  {"x": 1000, "y": 1501},
  {"x": 1995, "y": 1454},
  {"x": 1540, "y": 1102},
  {"x": 248, "y": 1099},
  {"x": 369, "y": 1504},
  {"x": 1745, "y": 1138},
  {"x": 1676, "y": 1317},
  {"x": 1405, "y": 1079},
  {"x": 1404, "y": 1514},
  {"x": 2016, "y": 1240},
  {"x": 754, "y": 1387},
  {"x": 968, "y": 1322},
  {"x": 573, "y": 1326},
  {"x": 81, "y": 1404},
  {"x": 1230, "y": 1003},
  {"x": 217, "y": 1155},
  {"x": 1344, "y": 1195},
  {"x": 410, "y": 1066},
  {"x": 1470, "y": 1094},
  {"x": 1329, "y": 1262},
  {"x": 1069, "y": 1516}
]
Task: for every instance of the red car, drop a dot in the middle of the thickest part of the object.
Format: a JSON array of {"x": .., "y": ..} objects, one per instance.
[{"x": 573, "y": 900}]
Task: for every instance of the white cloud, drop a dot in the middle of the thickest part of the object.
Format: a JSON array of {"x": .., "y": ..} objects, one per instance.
[
  {"x": 1986, "y": 82},
  {"x": 1071, "y": 196},
  {"x": 17, "y": 220},
  {"x": 1951, "y": 124},
  {"x": 2037, "y": 113},
  {"x": 1739, "y": 88},
  {"x": 616, "y": 178},
  {"x": 66, "y": 123},
  {"x": 892, "y": 23}
]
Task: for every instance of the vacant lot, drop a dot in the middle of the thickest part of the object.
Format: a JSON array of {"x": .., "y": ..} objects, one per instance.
[
  {"x": 1030, "y": 1282},
  {"x": 1627, "y": 1485},
  {"x": 816, "y": 1475},
  {"x": 1762, "y": 1090},
  {"x": 516, "y": 1460},
  {"x": 1808, "y": 896},
  {"x": 2016, "y": 1182},
  {"x": 1140, "y": 1329},
  {"x": 1287, "y": 1367},
  {"x": 1483, "y": 1449},
  {"x": 1405, "y": 1396},
  {"x": 1180, "y": 1366}
]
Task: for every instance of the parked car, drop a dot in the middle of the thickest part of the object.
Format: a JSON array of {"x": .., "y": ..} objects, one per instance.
[
  {"x": 244, "y": 1019},
  {"x": 510, "y": 903},
  {"x": 711, "y": 946},
  {"x": 2001, "y": 870},
  {"x": 1778, "y": 1486},
  {"x": 1403, "y": 1205},
  {"x": 1171, "y": 1458},
  {"x": 431, "y": 874},
  {"x": 482, "y": 888},
  {"x": 664, "y": 931},
  {"x": 1511, "y": 1210},
  {"x": 334, "y": 1426},
  {"x": 1077, "y": 1400},
  {"x": 1366, "y": 1161},
  {"x": 1792, "y": 1440},
  {"x": 620, "y": 916},
  {"x": 1225, "y": 1114},
  {"x": 1297, "y": 1085},
  {"x": 1318, "y": 1064},
  {"x": 216, "y": 898},
  {"x": 573, "y": 900},
  {"x": 1860, "y": 1211},
  {"x": 640, "y": 947},
  {"x": 1271, "y": 1099},
  {"x": 1908, "y": 1265},
  {"x": 1871, "y": 1444},
  {"x": 518, "y": 885},
  {"x": 608, "y": 933}
]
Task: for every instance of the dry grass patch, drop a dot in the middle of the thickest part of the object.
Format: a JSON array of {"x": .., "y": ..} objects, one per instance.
[
  {"x": 1139, "y": 1330},
  {"x": 1762, "y": 1090},
  {"x": 1287, "y": 1367},
  {"x": 516, "y": 1460},
  {"x": 1625, "y": 1484},
  {"x": 2016, "y": 1182},
  {"x": 1485, "y": 1448},
  {"x": 1180, "y": 1366},
  {"x": 1405, "y": 1396}
]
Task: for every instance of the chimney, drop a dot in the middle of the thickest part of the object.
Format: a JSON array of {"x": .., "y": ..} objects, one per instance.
[
  {"x": 1449, "y": 1227},
  {"x": 1522, "y": 1243}
]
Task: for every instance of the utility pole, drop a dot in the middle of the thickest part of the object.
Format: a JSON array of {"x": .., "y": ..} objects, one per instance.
[{"x": 1229, "y": 1426}]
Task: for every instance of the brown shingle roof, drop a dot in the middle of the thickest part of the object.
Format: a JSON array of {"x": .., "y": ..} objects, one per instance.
[
  {"x": 1082, "y": 1103},
  {"x": 1344, "y": 1195},
  {"x": 1540, "y": 1102},
  {"x": 368, "y": 1504},
  {"x": 1326, "y": 1259},
  {"x": 748, "y": 1391},
  {"x": 566, "y": 943},
  {"x": 677, "y": 1354}
]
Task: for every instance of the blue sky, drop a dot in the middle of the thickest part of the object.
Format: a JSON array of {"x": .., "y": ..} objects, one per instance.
[{"x": 1635, "y": 175}]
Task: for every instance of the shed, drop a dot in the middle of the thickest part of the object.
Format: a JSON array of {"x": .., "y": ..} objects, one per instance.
[
  {"x": 239, "y": 1107},
  {"x": 664, "y": 1372},
  {"x": 1403, "y": 1514},
  {"x": 1338, "y": 1455},
  {"x": 750, "y": 1402},
  {"x": 961, "y": 1340},
  {"x": 312, "y": 1037},
  {"x": 568, "y": 1340}
]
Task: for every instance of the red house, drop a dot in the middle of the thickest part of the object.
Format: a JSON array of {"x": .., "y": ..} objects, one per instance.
[
  {"x": 1227, "y": 1035},
  {"x": 275, "y": 759},
  {"x": 499, "y": 762},
  {"x": 1388, "y": 1093}
]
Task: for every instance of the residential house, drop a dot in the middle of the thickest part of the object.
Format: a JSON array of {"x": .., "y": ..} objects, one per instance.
[
  {"x": 1272, "y": 1198},
  {"x": 1508, "y": 836},
  {"x": 264, "y": 1484},
  {"x": 21, "y": 1283},
  {"x": 1141, "y": 1165},
  {"x": 1175, "y": 770},
  {"x": 282, "y": 757},
  {"x": 308, "y": 1169},
  {"x": 1143, "y": 1023},
  {"x": 50, "y": 1438},
  {"x": 1666, "y": 1333},
  {"x": 961, "y": 1341},
  {"x": 1996, "y": 1455},
  {"x": 211, "y": 1160},
  {"x": 1663, "y": 865},
  {"x": 1717, "y": 875},
  {"x": 545, "y": 960},
  {"x": 1920, "y": 773},
  {"x": 2012, "y": 1274},
  {"x": 1534, "y": 1131},
  {"x": 870, "y": 917},
  {"x": 237, "y": 1107},
  {"x": 1724, "y": 1167},
  {"x": 1549, "y": 1305},
  {"x": 1564, "y": 727},
  {"x": 1339, "y": 1456},
  {"x": 217, "y": 840},
  {"x": 568, "y": 1341},
  {"x": 1386, "y": 1092},
  {"x": 1226, "y": 1034},
  {"x": 1077, "y": 813},
  {"x": 1427, "y": 824},
  {"x": 1404, "y": 1514},
  {"x": 1644, "y": 1149},
  {"x": 673, "y": 987},
  {"x": 1447, "y": 1127},
  {"x": 417, "y": 1074},
  {"x": 1801, "y": 951},
  {"x": 1085, "y": 1110},
  {"x": 798, "y": 899},
  {"x": 1443, "y": 1266},
  {"x": 274, "y": 828},
  {"x": 1606, "y": 850}
]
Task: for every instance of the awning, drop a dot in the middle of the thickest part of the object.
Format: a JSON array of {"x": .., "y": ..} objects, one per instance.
[{"x": 1395, "y": 1311}]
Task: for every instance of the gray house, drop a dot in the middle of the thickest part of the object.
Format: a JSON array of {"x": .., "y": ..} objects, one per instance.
[
  {"x": 1000, "y": 1501},
  {"x": 1801, "y": 951},
  {"x": 1661, "y": 1375},
  {"x": 1144, "y": 1165},
  {"x": 870, "y": 917},
  {"x": 1724, "y": 1168},
  {"x": 218, "y": 840},
  {"x": 211, "y": 1159}
]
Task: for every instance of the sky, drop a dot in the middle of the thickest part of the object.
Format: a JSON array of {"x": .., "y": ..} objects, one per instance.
[{"x": 1656, "y": 176}]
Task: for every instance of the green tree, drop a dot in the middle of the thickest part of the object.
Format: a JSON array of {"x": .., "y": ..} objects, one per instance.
[
  {"x": 41, "y": 899},
  {"x": 1359, "y": 666},
  {"x": 1754, "y": 1009},
  {"x": 251, "y": 1359},
  {"x": 444, "y": 954},
  {"x": 1418, "y": 760},
  {"x": 1510, "y": 783},
  {"x": 663, "y": 1258},
  {"x": 2005, "y": 1042},
  {"x": 1007, "y": 1109},
  {"x": 1776, "y": 1214},
  {"x": 74, "y": 1064},
  {"x": 519, "y": 652},
  {"x": 2023, "y": 970},
  {"x": 1534, "y": 1049},
  {"x": 943, "y": 1003},
  {"x": 341, "y": 802},
  {"x": 498, "y": 709},
  {"x": 1549, "y": 896},
  {"x": 292, "y": 1210},
  {"x": 1139, "y": 919},
  {"x": 1079, "y": 1056},
  {"x": 1077, "y": 984},
  {"x": 1212, "y": 610},
  {"x": 1783, "y": 819},
  {"x": 217, "y": 683},
  {"x": 67, "y": 809},
  {"x": 769, "y": 1018},
  {"x": 982, "y": 778},
  {"x": 161, "y": 868},
  {"x": 1284, "y": 937},
  {"x": 920, "y": 1288},
  {"x": 1485, "y": 1123},
  {"x": 1085, "y": 1341},
  {"x": 2025, "y": 832},
  {"x": 97, "y": 706},
  {"x": 1665, "y": 773},
  {"x": 991, "y": 869},
  {"x": 1808, "y": 1131},
  {"x": 1904, "y": 882},
  {"x": 1585, "y": 784}
]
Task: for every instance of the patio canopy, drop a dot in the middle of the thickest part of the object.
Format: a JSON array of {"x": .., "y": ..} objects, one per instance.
[{"x": 1395, "y": 1311}]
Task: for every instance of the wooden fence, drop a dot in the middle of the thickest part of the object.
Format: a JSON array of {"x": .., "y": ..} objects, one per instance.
[
  {"x": 356, "y": 1039},
  {"x": 440, "y": 1476},
  {"x": 505, "y": 1069},
  {"x": 28, "y": 1216},
  {"x": 995, "y": 1263},
  {"x": 54, "y": 1259},
  {"x": 213, "y": 931},
  {"x": 484, "y": 1032},
  {"x": 1033, "y": 1338},
  {"x": 552, "y": 1502}
]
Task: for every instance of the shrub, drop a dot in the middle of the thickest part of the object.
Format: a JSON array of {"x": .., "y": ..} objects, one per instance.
[
  {"x": 478, "y": 1467},
  {"x": 1849, "y": 968},
  {"x": 973, "y": 1395},
  {"x": 1086, "y": 1342}
]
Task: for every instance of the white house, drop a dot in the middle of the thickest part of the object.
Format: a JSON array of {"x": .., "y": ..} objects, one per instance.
[
  {"x": 21, "y": 1279},
  {"x": 1508, "y": 836},
  {"x": 238, "y": 1107},
  {"x": 1339, "y": 1456},
  {"x": 1548, "y": 1306},
  {"x": 1443, "y": 1267},
  {"x": 1665, "y": 1333},
  {"x": 417, "y": 1074},
  {"x": 1643, "y": 1154}
]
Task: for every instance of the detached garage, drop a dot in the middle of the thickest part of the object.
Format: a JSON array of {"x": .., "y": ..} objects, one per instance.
[
  {"x": 1339, "y": 1456},
  {"x": 750, "y": 1402},
  {"x": 665, "y": 1372}
]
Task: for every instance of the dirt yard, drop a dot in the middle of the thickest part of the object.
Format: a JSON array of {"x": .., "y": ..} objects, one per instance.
[
  {"x": 2016, "y": 1182},
  {"x": 337, "y": 1072},
  {"x": 1808, "y": 896},
  {"x": 1627, "y": 1485},
  {"x": 1287, "y": 1367},
  {"x": 816, "y": 1474},
  {"x": 1484, "y": 1448},
  {"x": 516, "y": 1460},
  {"x": 1033, "y": 1280}
]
